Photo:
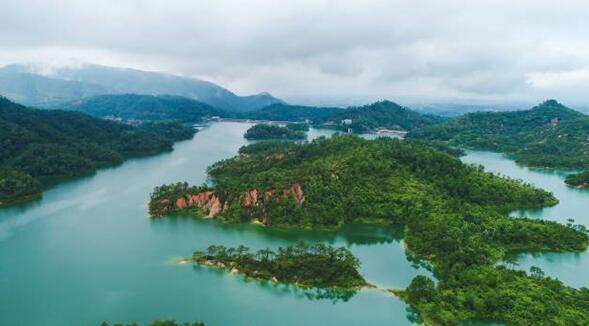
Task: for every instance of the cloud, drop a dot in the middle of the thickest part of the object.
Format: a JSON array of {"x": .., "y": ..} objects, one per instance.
[{"x": 300, "y": 49}]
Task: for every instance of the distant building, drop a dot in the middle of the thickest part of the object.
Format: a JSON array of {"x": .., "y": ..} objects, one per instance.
[
  {"x": 347, "y": 122},
  {"x": 554, "y": 122}
]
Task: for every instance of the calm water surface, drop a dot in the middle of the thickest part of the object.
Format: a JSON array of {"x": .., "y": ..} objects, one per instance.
[
  {"x": 88, "y": 252},
  {"x": 571, "y": 268}
]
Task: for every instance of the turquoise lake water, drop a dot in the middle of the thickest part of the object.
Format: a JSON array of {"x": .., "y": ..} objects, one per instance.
[{"x": 88, "y": 252}]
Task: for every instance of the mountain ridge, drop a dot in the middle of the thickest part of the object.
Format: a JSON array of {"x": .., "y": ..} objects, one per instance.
[{"x": 100, "y": 80}]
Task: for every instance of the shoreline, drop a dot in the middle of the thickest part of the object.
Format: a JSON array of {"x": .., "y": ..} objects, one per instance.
[{"x": 233, "y": 270}]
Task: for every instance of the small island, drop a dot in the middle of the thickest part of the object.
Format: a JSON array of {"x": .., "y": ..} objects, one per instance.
[
  {"x": 291, "y": 131},
  {"x": 579, "y": 180},
  {"x": 302, "y": 264}
]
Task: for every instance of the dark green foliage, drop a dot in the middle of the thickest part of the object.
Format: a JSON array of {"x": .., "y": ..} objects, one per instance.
[
  {"x": 49, "y": 145},
  {"x": 156, "y": 323},
  {"x": 580, "y": 180},
  {"x": 266, "y": 131},
  {"x": 548, "y": 135},
  {"x": 304, "y": 264},
  {"x": 16, "y": 185},
  {"x": 143, "y": 107},
  {"x": 384, "y": 114},
  {"x": 348, "y": 178},
  {"x": 298, "y": 127},
  {"x": 454, "y": 216},
  {"x": 501, "y": 295}
]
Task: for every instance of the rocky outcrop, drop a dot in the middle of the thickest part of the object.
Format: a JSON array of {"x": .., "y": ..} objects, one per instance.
[
  {"x": 251, "y": 198},
  {"x": 211, "y": 204},
  {"x": 297, "y": 192},
  {"x": 207, "y": 201}
]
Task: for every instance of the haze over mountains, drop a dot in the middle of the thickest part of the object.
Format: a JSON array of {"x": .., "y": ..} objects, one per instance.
[{"x": 35, "y": 86}]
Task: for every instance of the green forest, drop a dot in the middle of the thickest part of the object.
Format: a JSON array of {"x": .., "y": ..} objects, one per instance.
[
  {"x": 454, "y": 218},
  {"x": 580, "y": 180},
  {"x": 549, "y": 135},
  {"x": 383, "y": 114},
  {"x": 130, "y": 107},
  {"x": 262, "y": 131},
  {"x": 316, "y": 265},
  {"x": 41, "y": 146}
]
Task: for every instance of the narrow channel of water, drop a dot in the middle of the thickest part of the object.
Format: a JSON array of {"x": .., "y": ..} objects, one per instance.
[{"x": 570, "y": 268}]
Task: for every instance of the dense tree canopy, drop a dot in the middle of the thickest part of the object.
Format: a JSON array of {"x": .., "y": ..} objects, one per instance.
[
  {"x": 304, "y": 264},
  {"x": 130, "y": 107},
  {"x": 580, "y": 180},
  {"x": 383, "y": 114},
  {"x": 267, "y": 131},
  {"x": 548, "y": 135},
  {"x": 41, "y": 145},
  {"x": 454, "y": 217}
]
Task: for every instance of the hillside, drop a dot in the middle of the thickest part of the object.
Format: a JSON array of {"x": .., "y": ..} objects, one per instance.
[
  {"x": 383, "y": 114},
  {"x": 143, "y": 107},
  {"x": 39, "y": 145},
  {"x": 58, "y": 85},
  {"x": 454, "y": 217},
  {"x": 548, "y": 135}
]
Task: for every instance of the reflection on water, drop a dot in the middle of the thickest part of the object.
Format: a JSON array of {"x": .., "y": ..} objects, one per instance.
[{"x": 333, "y": 295}]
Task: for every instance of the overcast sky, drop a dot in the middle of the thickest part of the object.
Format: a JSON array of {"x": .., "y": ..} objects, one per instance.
[{"x": 301, "y": 50}]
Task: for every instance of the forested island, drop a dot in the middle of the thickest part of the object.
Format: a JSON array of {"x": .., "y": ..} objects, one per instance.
[
  {"x": 454, "y": 218},
  {"x": 579, "y": 180},
  {"x": 316, "y": 265},
  {"x": 41, "y": 146},
  {"x": 266, "y": 131},
  {"x": 549, "y": 135}
]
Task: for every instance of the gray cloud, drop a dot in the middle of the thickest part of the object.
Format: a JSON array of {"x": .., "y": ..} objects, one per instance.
[{"x": 302, "y": 49}]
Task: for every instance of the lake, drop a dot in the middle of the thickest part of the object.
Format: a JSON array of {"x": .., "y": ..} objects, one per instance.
[{"x": 88, "y": 252}]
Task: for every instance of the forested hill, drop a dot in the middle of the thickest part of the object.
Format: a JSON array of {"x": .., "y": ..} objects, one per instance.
[
  {"x": 454, "y": 217},
  {"x": 383, "y": 114},
  {"x": 143, "y": 107},
  {"x": 39, "y": 145},
  {"x": 548, "y": 135}
]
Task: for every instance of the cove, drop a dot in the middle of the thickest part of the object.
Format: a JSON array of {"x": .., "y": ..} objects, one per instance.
[
  {"x": 87, "y": 252},
  {"x": 570, "y": 268}
]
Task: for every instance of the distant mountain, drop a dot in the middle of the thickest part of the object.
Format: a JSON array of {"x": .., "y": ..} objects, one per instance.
[
  {"x": 548, "y": 135},
  {"x": 39, "y": 145},
  {"x": 73, "y": 83},
  {"x": 383, "y": 114},
  {"x": 36, "y": 90},
  {"x": 143, "y": 107}
]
